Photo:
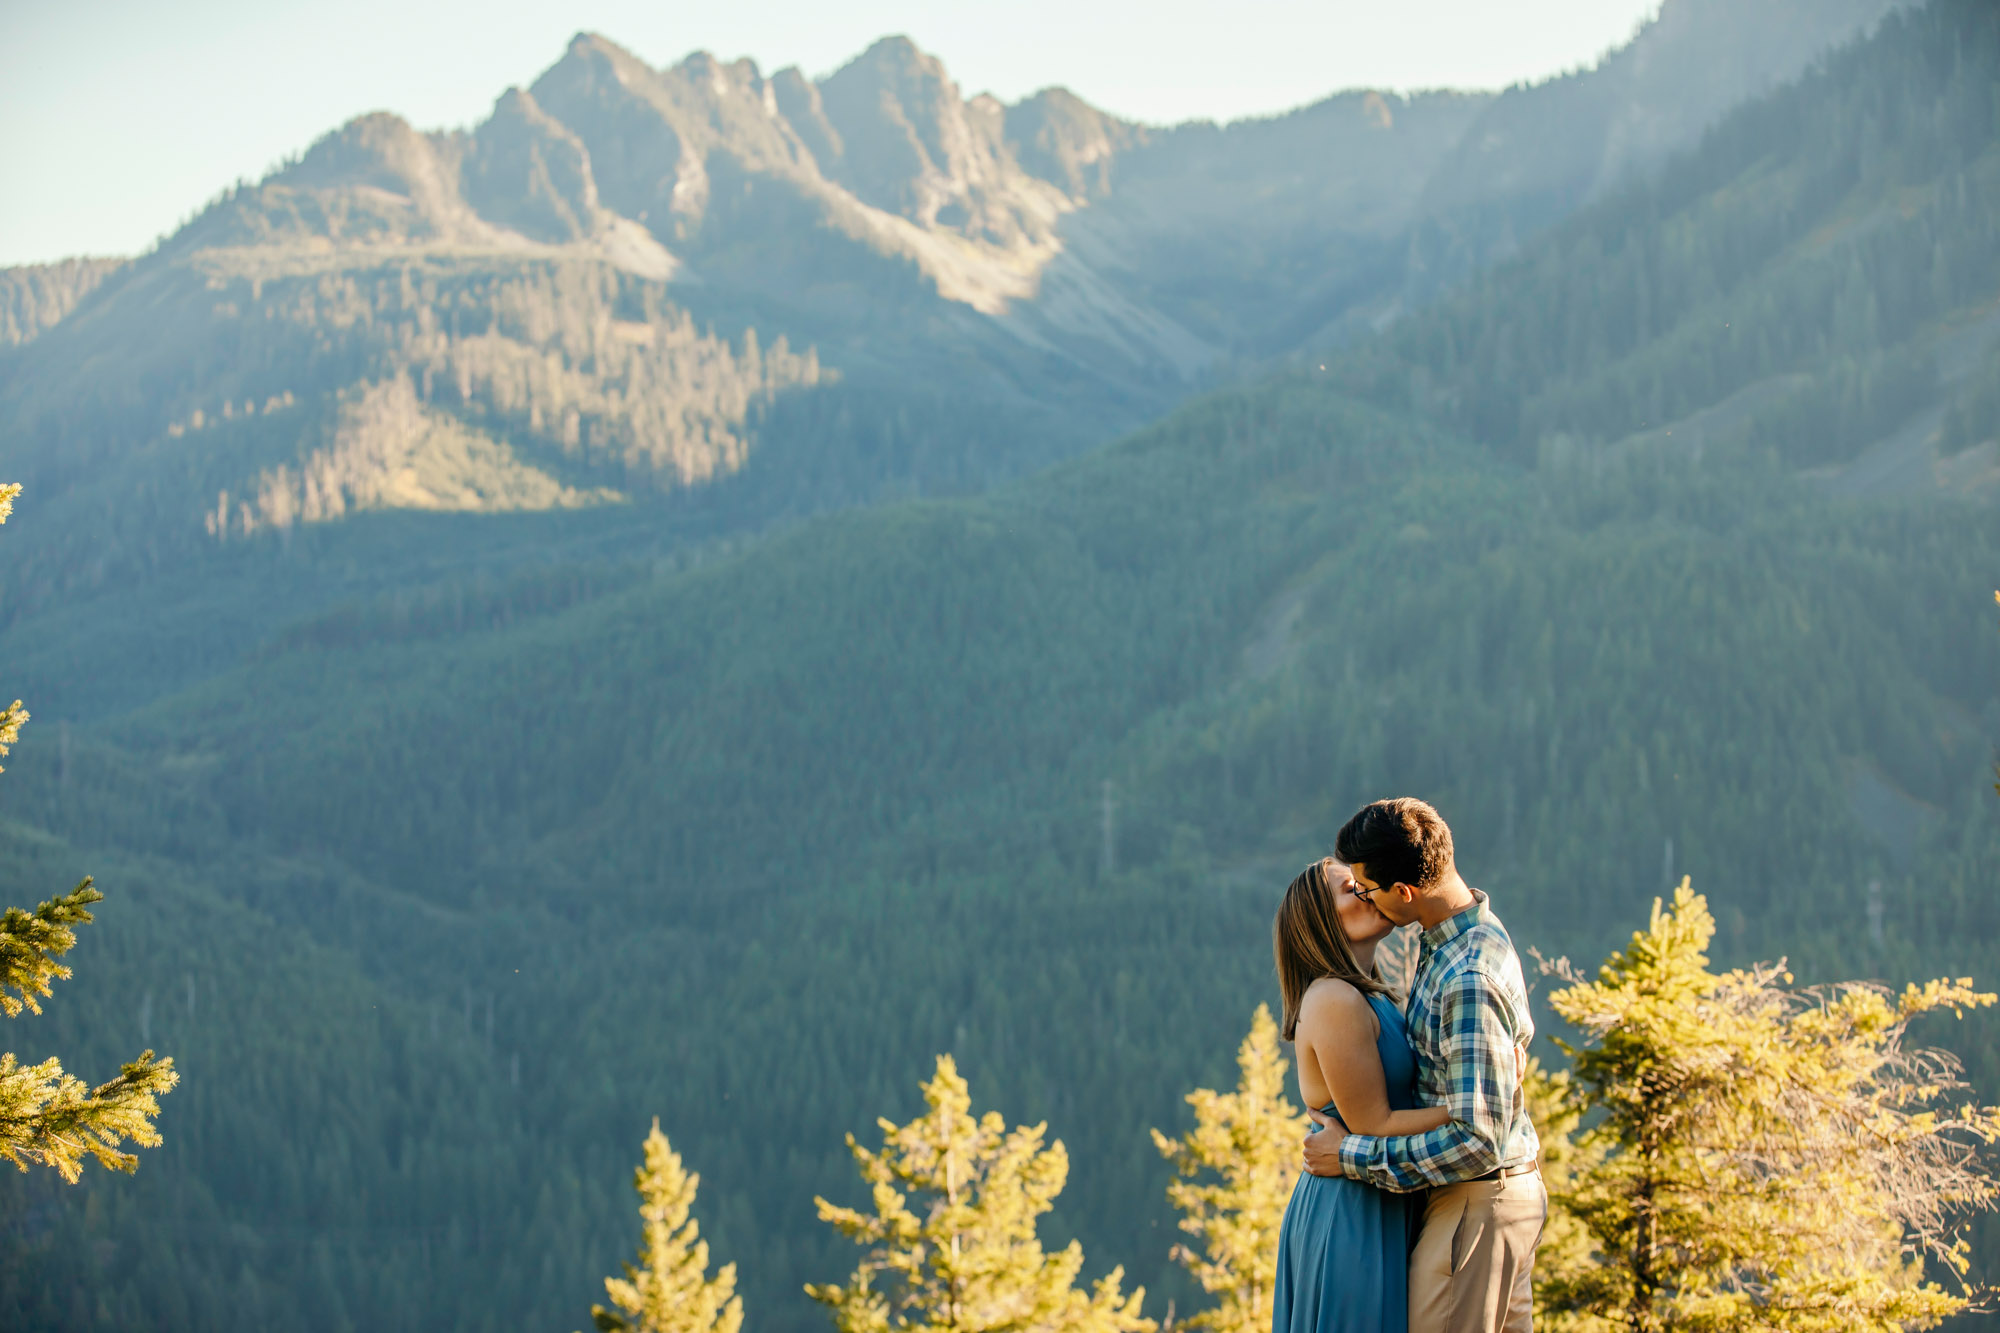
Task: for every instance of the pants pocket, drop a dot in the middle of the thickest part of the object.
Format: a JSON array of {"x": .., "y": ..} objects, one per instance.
[
  {"x": 1432, "y": 1260},
  {"x": 1470, "y": 1233}
]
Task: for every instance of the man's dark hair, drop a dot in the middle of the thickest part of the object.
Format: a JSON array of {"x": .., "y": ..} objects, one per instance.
[{"x": 1403, "y": 841}]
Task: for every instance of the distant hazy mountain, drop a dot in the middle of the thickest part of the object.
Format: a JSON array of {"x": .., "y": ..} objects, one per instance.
[
  {"x": 631, "y": 282},
  {"x": 1537, "y": 152}
]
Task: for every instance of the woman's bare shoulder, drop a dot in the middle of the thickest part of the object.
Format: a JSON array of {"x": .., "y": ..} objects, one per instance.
[
  {"x": 1333, "y": 996},
  {"x": 1331, "y": 1005}
]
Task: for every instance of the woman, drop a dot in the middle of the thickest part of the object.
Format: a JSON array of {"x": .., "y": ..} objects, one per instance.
[{"x": 1344, "y": 1253}]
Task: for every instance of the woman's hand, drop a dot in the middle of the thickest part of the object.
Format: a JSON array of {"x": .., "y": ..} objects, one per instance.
[{"x": 1322, "y": 1146}]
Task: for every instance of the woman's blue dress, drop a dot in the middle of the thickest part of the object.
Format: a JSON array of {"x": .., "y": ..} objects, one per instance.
[{"x": 1344, "y": 1252}]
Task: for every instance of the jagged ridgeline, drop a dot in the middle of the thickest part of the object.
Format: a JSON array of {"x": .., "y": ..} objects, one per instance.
[
  {"x": 766, "y": 294},
  {"x": 440, "y": 870},
  {"x": 494, "y": 321}
]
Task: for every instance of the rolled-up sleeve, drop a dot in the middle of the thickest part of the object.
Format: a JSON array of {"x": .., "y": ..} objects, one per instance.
[{"x": 1479, "y": 1032}]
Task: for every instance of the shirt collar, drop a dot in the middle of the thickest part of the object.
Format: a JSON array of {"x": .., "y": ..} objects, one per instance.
[{"x": 1453, "y": 926}]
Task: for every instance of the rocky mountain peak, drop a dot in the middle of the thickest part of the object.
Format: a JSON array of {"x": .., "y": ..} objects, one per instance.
[
  {"x": 597, "y": 55},
  {"x": 723, "y": 78},
  {"x": 653, "y": 134},
  {"x": 373, "y": 181},
  {"x": 1059, "y": 137},
  {"x": 911, "y": 145},
  {"x": 529, "y": 172},
  {"x": 607, "y": 98},
  {"x": 379, "y": 150},
  {"x": 797, "y": 100}
]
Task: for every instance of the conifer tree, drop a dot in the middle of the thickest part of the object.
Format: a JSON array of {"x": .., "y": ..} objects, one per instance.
[
  {"x": 1764, "y": 1157},
  {"x": 49, "y": 1118},
  {"x": 951, "y": 1244},
  {"x": 1566, "y": 1255},
  {"x": 669, "y": 1290},
  {"x": 1249, "y": 1138}
]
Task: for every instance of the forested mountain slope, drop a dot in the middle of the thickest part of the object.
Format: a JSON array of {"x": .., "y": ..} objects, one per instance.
[
  {"x": 1537, "y": 152},
  {"x": 1229, "y": 231},
  {"x": 723, "y": 299},
  {"x": 38, "y": 296},
  {"x": 438, "y": 895}
]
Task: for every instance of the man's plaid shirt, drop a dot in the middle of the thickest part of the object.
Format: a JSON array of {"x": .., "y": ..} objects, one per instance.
[{"x": 1469, "y": 1027}]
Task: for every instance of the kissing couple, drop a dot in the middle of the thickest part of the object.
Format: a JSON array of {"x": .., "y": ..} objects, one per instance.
[{"x": 1422, "y": 1202}]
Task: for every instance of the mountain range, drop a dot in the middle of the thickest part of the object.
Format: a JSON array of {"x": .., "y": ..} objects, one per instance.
[
  {"x": 631, "y": 280},
  {"x": 508, "y": 692}
]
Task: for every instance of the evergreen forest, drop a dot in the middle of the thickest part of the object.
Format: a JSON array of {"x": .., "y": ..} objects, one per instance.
[{"x": 728, "y": 735}]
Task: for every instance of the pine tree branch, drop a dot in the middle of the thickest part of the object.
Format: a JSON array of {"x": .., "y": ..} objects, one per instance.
[
  {"x": 49, "y": 1118},
  {"x": 11, "y": 718},
  {"x": 30, "y": 942}
]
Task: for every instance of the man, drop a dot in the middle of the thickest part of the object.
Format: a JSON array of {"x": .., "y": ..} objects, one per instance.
[{"x": 1469, "y": 1028}]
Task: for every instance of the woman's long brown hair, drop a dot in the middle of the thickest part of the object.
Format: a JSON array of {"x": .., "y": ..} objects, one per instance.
[{"x": 1308, "y": 942}]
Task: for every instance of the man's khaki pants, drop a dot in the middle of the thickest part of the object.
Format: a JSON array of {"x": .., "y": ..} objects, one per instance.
[{"x": 1473, "y": 1266}]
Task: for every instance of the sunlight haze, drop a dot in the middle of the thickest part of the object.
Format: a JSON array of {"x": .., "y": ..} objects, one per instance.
[{"x": 118, "y": 120}]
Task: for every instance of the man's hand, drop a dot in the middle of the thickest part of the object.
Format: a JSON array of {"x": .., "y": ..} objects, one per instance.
[{"x": 1322, "y": 1149}]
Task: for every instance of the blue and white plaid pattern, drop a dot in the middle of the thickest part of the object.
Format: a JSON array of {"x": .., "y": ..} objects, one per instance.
[{"x": 1469, "y": 1026}]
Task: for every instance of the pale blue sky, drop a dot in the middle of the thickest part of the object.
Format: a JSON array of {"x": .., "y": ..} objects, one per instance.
[{"x": 119, "y": 118}]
